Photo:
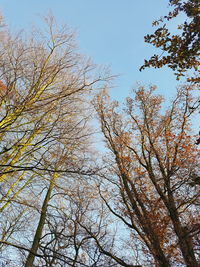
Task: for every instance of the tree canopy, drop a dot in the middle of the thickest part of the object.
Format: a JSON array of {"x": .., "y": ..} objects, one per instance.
[
  {"x": 180, "y": 51},
  {"x": 133, "y": 202}
]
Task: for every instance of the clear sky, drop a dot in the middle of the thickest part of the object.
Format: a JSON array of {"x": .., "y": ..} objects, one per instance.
[{"x": 111, "y": 32}]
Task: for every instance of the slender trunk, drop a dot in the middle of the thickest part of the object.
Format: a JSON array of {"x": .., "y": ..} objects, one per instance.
[{"x": 38, "y": 233}]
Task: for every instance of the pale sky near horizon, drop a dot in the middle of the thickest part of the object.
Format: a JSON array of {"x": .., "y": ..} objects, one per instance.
[{"x": 111, "y": 32}]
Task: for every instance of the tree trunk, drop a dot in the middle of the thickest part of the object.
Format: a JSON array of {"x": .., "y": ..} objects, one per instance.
[
  {"x": 185, "y": 242},
  {"x": 38, "y": 233}
]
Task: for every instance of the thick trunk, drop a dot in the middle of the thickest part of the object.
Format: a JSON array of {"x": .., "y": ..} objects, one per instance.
[
  {"x": 147, "y": 226},
  {"x": 156, "y": 250},
  {"x": 185, "y": 242},
  {"x": 185, "y": 245}
]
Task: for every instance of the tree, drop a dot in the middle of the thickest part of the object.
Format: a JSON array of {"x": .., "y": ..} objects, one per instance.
[
  {"x": 44, "y": 93},
  {"x": 146, "y": 183},
  {"x": 180, "y": 51},
  {"x": 43, "y": 79}
]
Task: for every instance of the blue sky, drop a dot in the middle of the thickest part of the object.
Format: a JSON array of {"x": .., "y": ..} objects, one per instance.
[{"x": 111, "y": 32}]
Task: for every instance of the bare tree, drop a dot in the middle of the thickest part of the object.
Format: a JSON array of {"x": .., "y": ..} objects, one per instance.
[{"x": 44, "y": 113}]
